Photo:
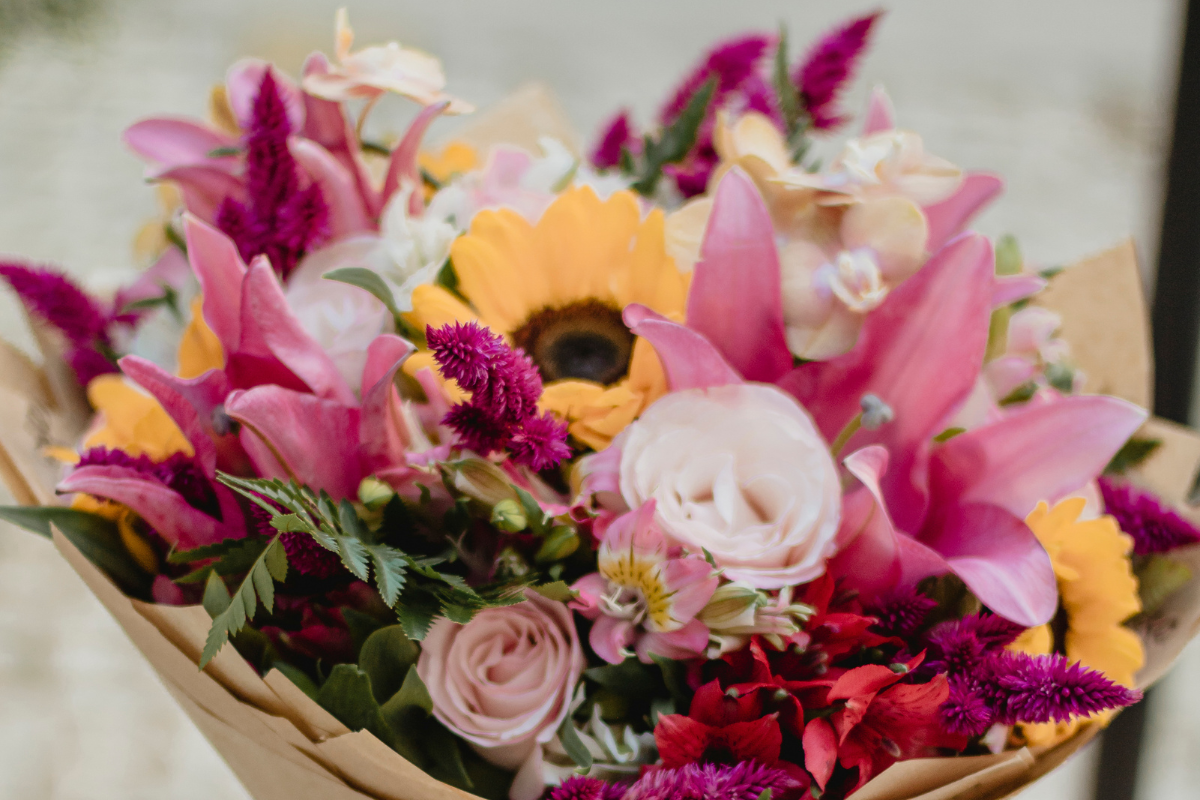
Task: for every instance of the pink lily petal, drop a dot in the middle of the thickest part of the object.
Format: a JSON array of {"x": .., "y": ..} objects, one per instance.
[
  {"x": 610, "y": 638},
  {"x": 173, "y": 142},
  {"x": 164, "y": 509},
  {"x": 402, "y": 166},
  {"x": 347, "y": 214},
  {"x": 241, "y": 86},
  {"x": 949, "y": 217},
  {"x": 294, "y": 435},
  {"x": 384, "y": 436},
  {"x": 326, "y": 123},
  {"x": 165, "y": 388},
  {"x": 999, "y": 558},
  {"x": 220, "y": 271},
  {"x": 204, "y": 187},
  {"x": 692, "y": 583},
  {"x": 1038, "y": 452},
  {"x": 268, "y": 322},
  {"x": 736, "y": 298},
  {"x": 941, "y": 313},
  {"x": 880, "y": 114},
  {"x": 601, "y": 478},
  {"x": 589, "y": 589},
  {"x": 171, "y": 270},
  {"x": 1008, "y": 289},
  {"x": 688, "y": 358}
]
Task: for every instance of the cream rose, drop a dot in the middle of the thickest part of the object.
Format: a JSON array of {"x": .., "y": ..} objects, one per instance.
[
  {"x": 741, "y": 472},
  {"x": 504, "y": 682}
]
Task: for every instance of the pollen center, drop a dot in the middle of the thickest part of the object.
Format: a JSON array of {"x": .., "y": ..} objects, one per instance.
[{"x": 585, "y": 340}]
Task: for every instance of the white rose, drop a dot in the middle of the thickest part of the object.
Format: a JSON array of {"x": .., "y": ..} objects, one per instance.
[{"x": 741, "y": 472}]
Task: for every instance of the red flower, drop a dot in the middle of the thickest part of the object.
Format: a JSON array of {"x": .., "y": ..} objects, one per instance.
[
  {"x": 881, "y": 723},
  {"x": 721, "y": 727}
]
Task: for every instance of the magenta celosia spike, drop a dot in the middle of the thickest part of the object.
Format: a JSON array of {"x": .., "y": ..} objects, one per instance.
[
  {"x": 465, "y": 352},
  {"x": 743, "y": 781},
  {"x": 88, "y": 363},
  {"x": 513, "y": 388},
  {"x": 281, "y": 218},
  {"x": 966, "y": 710},
  {"x": 477, "y": 429},
  {"x": 1154, "y": 526},
  {"x": 1050, "y": 688},
  {"x": 618, "y": 135},
  {"x": 732, "y": 62},
  {"x": 580, "y": 787},
  {"x": 902, "y": 613},
  {"x": 54, "y": 298},
  {"x": 827, "y": 67},
  {"x": 540, "y": 442}
]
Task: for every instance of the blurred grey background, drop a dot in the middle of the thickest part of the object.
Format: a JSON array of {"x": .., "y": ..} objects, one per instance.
[{"x": 1069, "y": 99}]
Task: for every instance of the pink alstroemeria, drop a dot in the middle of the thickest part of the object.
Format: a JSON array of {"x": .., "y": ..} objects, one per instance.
[
  {"x": 646, "y": 594},
  {"x": 923, "y": 508}
]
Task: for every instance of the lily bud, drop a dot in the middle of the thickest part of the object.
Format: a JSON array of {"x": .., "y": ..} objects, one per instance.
[
  {"x": 560, "y": 542},
  {"x": 732, "y": 606},
  {"x": 481, "y": 480},
  {"x": 509, "y": 516},
  {"x": 374, "y": 493}
]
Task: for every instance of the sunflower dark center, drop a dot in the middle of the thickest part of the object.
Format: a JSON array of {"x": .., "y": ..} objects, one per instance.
[{"x": 585, "y": 340}]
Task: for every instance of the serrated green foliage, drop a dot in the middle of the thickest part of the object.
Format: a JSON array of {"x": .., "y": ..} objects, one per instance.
[
  {"x": 413, "y": 587},
  {"x": 234, "y": 610},
  {"x": 94, "y": 536},
  {"x": 230, "y": 557},
  {"x": 1131, "y": 454},
  {"x": 674, "y": 141}
]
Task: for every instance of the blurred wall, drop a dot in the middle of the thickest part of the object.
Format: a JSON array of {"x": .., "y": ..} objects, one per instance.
[{"x": 1068, "y": 99}]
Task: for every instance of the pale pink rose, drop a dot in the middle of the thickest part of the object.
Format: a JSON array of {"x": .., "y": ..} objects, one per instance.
[
  {"x": 504, "y": 682},
  {"x": 739, "y": 471}
]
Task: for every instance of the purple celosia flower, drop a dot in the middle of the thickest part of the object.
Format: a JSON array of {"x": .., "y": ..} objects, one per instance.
[
  {"x": 505, "y": 387},
  {"x": 1153, "y": 525},
  {"x": 902, "y": 613},
  {"x": 304, "y": 555},
  {"x": 828, "y": 66},
  {"x": 178, "y": 472},
  {"x": 957, "y": 646},
  {"x": 618, "y": 135},
  {"x": 281, "y": 218},
  {"x": 746, "y": 780},
  {"x": 581, "y": 787},
  {"x": 540, "y": 442},
  {"x": 60, "y": 303},
  {"x": 1010, "y": 688}
]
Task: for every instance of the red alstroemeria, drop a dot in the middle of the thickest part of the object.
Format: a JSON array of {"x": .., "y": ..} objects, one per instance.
[
  {"x": 720, "y": 726},
  {"x": 881, "y": 722}
]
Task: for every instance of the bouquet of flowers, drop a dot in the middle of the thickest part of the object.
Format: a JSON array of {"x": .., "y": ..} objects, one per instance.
[{"x": 703, "y": 466}]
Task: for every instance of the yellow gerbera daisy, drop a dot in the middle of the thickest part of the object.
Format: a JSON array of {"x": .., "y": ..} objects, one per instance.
[
  {"x": 1099, "y": 592},
  {"x": 556, "y": 289}
]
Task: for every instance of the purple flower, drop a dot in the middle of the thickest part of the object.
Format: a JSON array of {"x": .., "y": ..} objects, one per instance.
[
  {"x": 618, "y": 135},
  {"x": 540, "y": 442},
  {"x": 902, "y": 613},
  {"x": 305, "y": 555},
  {"x": 733, "y": 62},
  {"x": 178, "y": 472},
  {"x": 746, "y": 780},
  {"x": 958, "y": 646},
  {"x": 1154, "y": 526},
  {"x": 828, "y": 66},
  {"x": 579, "y": 787},
  {"x": 281, "y": 219},
  {"x": 505, "y": 387},
  {"x": 966, "y": 710}
]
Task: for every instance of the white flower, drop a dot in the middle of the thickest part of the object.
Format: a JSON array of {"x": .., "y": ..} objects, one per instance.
[
  {"x": 742, "y": 473},
  {"x": 415, "y": 249}
]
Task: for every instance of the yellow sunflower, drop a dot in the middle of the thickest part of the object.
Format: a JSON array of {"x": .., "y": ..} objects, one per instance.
[
  {"x": 1099, "y": 592},
  {"x": 556, "y": 289}
]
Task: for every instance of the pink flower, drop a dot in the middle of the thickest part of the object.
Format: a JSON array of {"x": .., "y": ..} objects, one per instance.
[
  {"x": 646, "y": 594},
  {"x": 504, "y": 682},
  {"x": 741, "y": 472}
]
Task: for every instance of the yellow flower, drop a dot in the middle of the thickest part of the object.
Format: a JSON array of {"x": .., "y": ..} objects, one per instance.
[
  {"x": 199, "y": 349},
  {"x": 1099, "y": 592},
  {"x": 132, "y": 421},
  {"x": 453, "y": 159},
  {"x": 556, "y": 289}
]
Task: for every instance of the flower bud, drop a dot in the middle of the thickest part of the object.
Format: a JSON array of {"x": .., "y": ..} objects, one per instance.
[
  {"x": 374, "y": 493},
  {"x": 560, "y": 542},
  {"x": 481, "y": 480},
  {"x": 732, "y": 606},
  {"x": 509, "y": 516}
]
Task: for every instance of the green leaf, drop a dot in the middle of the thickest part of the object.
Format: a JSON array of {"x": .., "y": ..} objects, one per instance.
[
  {"x": 416, "y": 615},
  {"x": 96, "y": 537},
  {"x": 675, "y": 677},
  {"x": 560, "y": 543},
  {"x": 298, "y": 677},
  {"x": 389, "y": 565},
  {"x": 411, "y": 695},
  {"x": 366, "y": 279},
  {"x": 569, "y": 737},
  {"x": 675, "y": 140},
  {"x": 948, "y": 434},
  {"x": 766, "y": 794},
  {"x": 347, "y": 695},
  {"x": 228, "y": 150},
  {"x": 559, "y": 591},
  {"x": 1132, "y": 454},
  {"x": 361, "y": 627},
  {"x": 257, "y": 586},
  {"x": 237, "y": 556},
  {"x": 386, "y": 656},
  {"x": 1008, "y": 255},
  {"x": 539, "y": 521},
  {"x": 785, "y": 90}
]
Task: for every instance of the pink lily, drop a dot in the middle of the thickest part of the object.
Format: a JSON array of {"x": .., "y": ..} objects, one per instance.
[{"x": 646, "y": 594}]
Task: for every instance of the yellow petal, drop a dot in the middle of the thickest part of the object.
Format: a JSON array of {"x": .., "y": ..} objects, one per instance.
[
  {"x": 434, "y": 306},
  {"x": 684, "y": 232},
  {"x": 500, "y": 269},
  {"x": 132, "y": 421},
  {"x": 453, "y": 159},
  {"x": 652, "y": 278},
  {"x": 199, "y": 349}
]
